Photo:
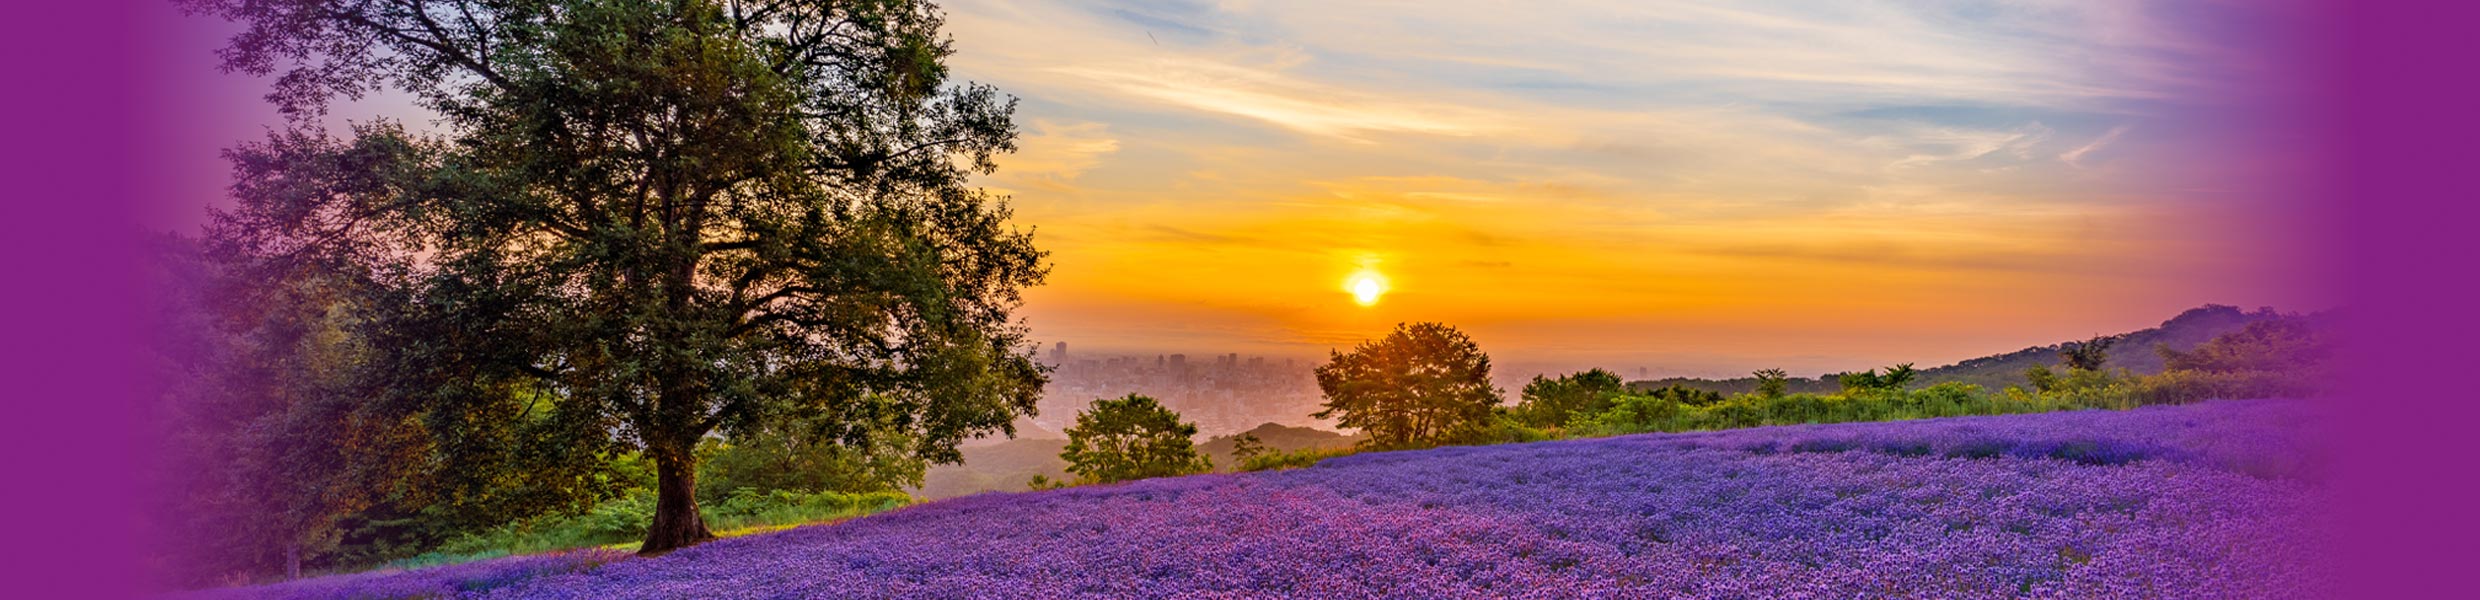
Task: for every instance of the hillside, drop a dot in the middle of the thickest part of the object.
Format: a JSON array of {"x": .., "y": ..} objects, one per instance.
[
  {"x": 1005, "y": 465},
  {"x": 2215, "y": 500},
  {"x": 1276, "y": 437},
  {"x": 2133, "y": 351},
  {"x": 1002, "y": 466}
]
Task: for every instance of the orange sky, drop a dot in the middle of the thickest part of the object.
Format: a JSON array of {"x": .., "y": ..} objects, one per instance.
[
  {"x": 1699, "y": 188},
  {"x": 1689, "y": 187}
]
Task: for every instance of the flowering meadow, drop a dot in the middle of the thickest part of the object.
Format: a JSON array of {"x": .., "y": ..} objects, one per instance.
[
  {"x": 2215, "y": 500},
  {"x": 451, "y": 581}
]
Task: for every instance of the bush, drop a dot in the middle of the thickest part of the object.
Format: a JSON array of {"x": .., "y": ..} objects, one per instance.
[
  {"x": 1297, "y": 459},
  {"x": 752, "y": 508},
  {"x": 1504, "y": 428}
]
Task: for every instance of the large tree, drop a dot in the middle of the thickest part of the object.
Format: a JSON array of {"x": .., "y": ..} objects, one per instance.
[
  {"x": 1417, "y": 386},
  {"x": 667, "y": 219}
]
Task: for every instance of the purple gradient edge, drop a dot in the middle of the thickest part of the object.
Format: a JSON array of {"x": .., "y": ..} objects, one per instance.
[
  {"x": 2393, "y": 111},
  {"x": 2398, "y": 97},
  {"x": 73, "y": 150}
]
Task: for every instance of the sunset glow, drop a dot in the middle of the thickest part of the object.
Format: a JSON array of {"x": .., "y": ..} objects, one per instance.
[
  {"x": 1695, "y": 187},
  {"x": 1366, "y": 287}
]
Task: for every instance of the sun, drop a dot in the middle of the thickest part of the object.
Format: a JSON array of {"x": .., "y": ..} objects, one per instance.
[{"x": 1366, "y": 286}]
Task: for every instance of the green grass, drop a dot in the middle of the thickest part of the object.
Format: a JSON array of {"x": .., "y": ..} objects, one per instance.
[{"x": 620, "y": 524}]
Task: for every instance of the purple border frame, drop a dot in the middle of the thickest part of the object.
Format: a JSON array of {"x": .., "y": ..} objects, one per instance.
[
  {"x": 2393, "y": 87},
  {"x": 2398, "y": 96}
]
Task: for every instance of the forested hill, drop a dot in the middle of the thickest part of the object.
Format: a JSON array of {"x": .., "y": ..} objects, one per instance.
[
  {"x": 1276, "y": 437},
  {"x": 2132, "y": 351}
]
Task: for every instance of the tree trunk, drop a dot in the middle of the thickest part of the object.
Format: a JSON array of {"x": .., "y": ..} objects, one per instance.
[
  {"x": 676, "y": 521},
  {"x": 292, "y": 560}
]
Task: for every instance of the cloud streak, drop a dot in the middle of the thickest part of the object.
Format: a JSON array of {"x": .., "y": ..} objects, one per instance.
[{"x": 1818, "y": 167}]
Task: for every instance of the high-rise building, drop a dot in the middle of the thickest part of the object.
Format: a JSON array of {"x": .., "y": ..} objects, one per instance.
[{"x": 1059, "y": 353}]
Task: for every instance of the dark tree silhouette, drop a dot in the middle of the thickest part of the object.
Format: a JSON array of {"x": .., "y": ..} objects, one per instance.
[
  {"x": 666, "y": 219},
  {"x": 1417, "y": 386},
  {"x": 2088, "y": 355}
]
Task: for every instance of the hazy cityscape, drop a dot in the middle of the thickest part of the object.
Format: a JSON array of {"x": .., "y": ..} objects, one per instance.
[{"x": 1221, "y": 393}]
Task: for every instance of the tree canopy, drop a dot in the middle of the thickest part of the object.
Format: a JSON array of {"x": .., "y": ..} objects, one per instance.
[
  {"x": 2087, "y": 355},
  {"x": 1419, "y": 385},
  {"x": 2279, "y": 344},
  {"x": 654, "y": 221},
  {"x": 1132, "y": 437},
  {"x": 1549, "y": 402}
]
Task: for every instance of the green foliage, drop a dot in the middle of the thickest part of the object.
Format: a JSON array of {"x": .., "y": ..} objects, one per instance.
[
  {"x": 2042, "y": 378},
  {"x": 1772, "y": 383},
  {"x": 1421, "y": 385},
  {"x": 1132, "y": 437},
  {"x": 1296, "y": 459},
  {"x": 641, "y": 223},
  {"x": 1895, "y": 379},
  {"x": 623, "y": 519},
  {"x": 1549, "y": 402},
  {"x": 1687, "y": 396},
  {"x": 773, "y": 459},
  {"x": 1632, "y": 413},
  {"x": 748, "y": 508},
  {"x": 1247, "y": 446},
  {"x": 1503, "y": 427}
]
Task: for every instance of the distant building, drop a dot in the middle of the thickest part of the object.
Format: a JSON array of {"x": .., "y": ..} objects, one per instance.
[{"x": 1059, "y": 353}]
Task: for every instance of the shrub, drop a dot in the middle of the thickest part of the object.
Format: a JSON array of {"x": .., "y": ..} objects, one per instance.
[{"x": 1297, "y": 459}]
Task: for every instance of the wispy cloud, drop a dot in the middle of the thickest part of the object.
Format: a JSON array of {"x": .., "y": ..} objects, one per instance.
[
  {"x": 1052, "y": 154},
  {"x": 1280, "y": 100},
  {"x": 1639, "y": 164},
  {"x": 2076, "y": 157}
]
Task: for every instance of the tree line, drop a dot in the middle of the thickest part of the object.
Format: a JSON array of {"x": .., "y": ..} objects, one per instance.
[{"x": 1427, "y": 384}]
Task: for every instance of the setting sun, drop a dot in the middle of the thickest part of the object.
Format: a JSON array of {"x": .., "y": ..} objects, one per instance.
[{"x": 1365, "y": 287}]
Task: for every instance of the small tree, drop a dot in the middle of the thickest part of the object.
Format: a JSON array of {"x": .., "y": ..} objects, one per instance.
[
  {"x": 1417, "y": 386},
  {"x": 2043, "y": 379},
  {"x": 2086, "y": 355},
  {"x": 1773, "y": 383},
  {"x": 1900, "y": 376},
  {"x": 1895, "y": 379},
  {"x": 1246, "y": 447},
  {"x": 1132, "y": 437},
  {"x": 1549, "y": 402}
]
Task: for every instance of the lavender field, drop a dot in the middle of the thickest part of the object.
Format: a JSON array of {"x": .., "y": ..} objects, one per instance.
[{"x": 2216, "y": 500}]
